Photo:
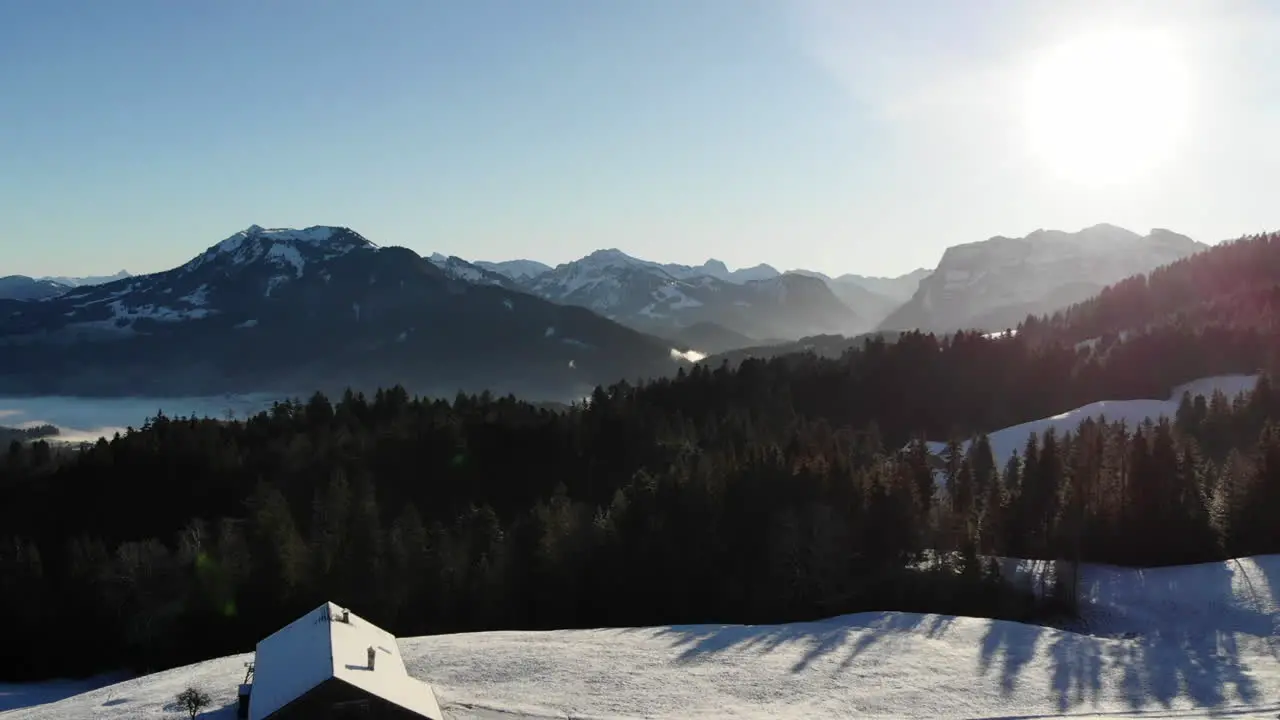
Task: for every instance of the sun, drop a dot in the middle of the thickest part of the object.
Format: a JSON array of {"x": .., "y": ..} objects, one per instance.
[{"x": 1108, "y": 107}]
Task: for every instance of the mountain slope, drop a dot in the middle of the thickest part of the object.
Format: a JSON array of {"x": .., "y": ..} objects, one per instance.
[
  {"x": 899, "y": 288},
  {"x": 474, "y": 273},
  {"x": 293, "y": 310},
  {"x": 1183, "y": 641},
  {"x": 996, "y": 283},
  {"x": 709, "y": 338},
  {"x": 874, "y": 297},
  {"x": 21, "y": 287},
  {"x": 1234, "y": 286}
]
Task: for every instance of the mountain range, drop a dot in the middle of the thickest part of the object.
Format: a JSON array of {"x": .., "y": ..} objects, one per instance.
[
  {"x": 295, "y": 310},
  {"x": 988, "y": 285},
  {"x": 707, "y": 306},
  {"x": 22, "y": 287},
  {"x": 90, "y": 280},
  {"x": 291, "y": 310}
]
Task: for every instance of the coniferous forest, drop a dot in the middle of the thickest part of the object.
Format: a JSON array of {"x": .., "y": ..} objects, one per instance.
[{"x": 784, "y": 489}]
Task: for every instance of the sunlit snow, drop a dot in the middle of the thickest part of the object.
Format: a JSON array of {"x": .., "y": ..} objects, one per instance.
[
  {"x": 1192, "y": 641},
  {"x": 1133, "y": 412}
]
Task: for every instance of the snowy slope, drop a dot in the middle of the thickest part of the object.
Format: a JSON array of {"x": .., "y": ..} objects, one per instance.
[
  {"x": 1169, "y": 642},
  {"x": 1013, "y": 439},
  {"x": 474, "y": 273}
]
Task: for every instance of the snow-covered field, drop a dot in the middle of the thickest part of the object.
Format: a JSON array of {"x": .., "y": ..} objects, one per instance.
[
  {"x": 87, "y": 419},
  {"x": 1006, "y": 441},
  {"x": 1194, "y": 641}
]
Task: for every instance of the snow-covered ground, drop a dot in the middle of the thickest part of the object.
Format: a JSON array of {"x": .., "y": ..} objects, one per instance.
[
  {"x": 87, "y": 419},
  {"x": 1195, "y": 641},
  {"x": 1006, "y": 441}
]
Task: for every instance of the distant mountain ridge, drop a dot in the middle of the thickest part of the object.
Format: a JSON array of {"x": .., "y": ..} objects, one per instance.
[
  {"x": 514, "y": 269},
  {"x": 654, "y": 298},
  {"x": 996, "y": 283},
  {"x": 706, "y": 308},
  {"x": 90, "y": 280},
  {"x": 21, "y": 287},
  {"x": 288, "y": 310},
  {"x": 705, "y": 303}
]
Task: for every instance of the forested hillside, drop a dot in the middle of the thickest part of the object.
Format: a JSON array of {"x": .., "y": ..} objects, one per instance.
[
  {"x": 784, "y": 489},
  {"x": 1235, "y": 285}
]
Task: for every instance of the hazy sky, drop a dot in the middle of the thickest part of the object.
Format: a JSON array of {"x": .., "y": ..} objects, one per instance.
[{"x": 839, "y": 135}]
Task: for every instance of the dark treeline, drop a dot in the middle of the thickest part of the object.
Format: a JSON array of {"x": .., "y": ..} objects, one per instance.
[
  {"x": 193, "y": 538},
  {"x": 783, "y": 489},
  {"x": 8, "y": 434}
]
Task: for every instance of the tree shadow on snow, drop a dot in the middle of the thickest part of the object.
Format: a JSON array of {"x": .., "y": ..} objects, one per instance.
[
  {"x": 891, "y": 626},
  {"x": 849, "y": 635},
  {"x": 1015, "y": 643},
  {"x": 1179, "y": 640},
  {"x": 1268, "y": 566},
  {"x": 1077, "y": 662},
  {"x": 1152, "y": 638}
]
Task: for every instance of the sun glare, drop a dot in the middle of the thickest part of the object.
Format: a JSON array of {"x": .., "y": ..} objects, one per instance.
[{"x": 1108, "y": 107}]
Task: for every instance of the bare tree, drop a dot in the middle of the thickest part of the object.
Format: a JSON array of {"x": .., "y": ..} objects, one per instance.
[{"x": 193, "y": 700}]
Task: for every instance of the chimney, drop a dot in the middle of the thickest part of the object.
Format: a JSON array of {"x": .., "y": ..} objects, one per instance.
[
  {"x": 346, "y": 616},
  {"x": 372, "y": 654}
]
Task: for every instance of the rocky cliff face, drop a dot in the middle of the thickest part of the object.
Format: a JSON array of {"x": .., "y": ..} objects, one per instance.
[{"x": 996, "y": 283}]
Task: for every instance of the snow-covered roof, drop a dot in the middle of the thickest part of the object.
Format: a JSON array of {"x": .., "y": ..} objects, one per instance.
[
  {"x": 320, "y": 646},
  {"x": 388, "y": 679}
]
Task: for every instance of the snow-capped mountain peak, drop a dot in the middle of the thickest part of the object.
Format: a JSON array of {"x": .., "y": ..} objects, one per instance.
[
  {"x": 340, "y": 239},
  {"x": 515, "y": 269},
  {"x": 459, "y": 269},
  {"x": 286, "y": 248}
]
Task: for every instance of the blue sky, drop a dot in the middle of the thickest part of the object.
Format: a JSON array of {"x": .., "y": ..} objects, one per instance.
[{"x": 837, "y": 135}]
